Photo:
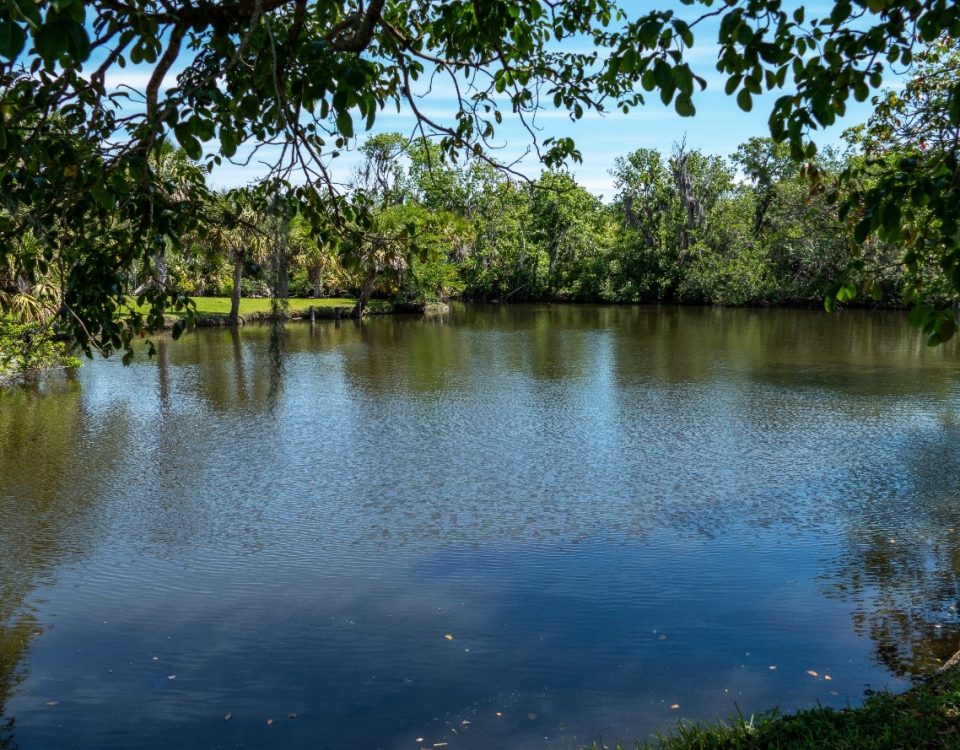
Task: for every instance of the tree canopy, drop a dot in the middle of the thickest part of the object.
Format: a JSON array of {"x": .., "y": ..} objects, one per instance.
[{"x": 292, "y": 81}]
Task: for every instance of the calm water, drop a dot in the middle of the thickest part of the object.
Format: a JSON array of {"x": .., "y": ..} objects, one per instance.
[{"x": 509, "y": 527}]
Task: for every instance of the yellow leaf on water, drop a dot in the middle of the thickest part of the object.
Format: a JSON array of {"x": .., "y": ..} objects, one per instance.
[
  {"x": 675, "y": 706},
  {"x": 827, "y": 677},
  {"x": 811, "y": 673},
  {"x": 448, "y": 637}
]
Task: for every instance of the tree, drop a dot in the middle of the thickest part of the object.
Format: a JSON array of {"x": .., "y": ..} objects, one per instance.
[
  {"x": 254, "y": 73},
  {"x": 317, "y": 260},
  {"x": 380, "y": 173},
  {"x": 569, "y": 225},
  {"x": 907, "y": 188},
  {"x": 235, "y": 233},
  {"x": 75, "y": 154},
  {"x": 644, "y": 201},
  {"x": 765, "y": 163}
]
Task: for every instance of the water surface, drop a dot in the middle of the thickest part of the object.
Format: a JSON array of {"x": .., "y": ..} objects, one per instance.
[{"x": 514, "y": 526}]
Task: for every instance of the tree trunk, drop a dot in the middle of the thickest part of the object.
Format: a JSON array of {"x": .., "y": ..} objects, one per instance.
[
  {"x": 235, "y": 295},
  {"x": 365, "y": 293},
  {"x": 283, "y": 276},
  {"x": 162, "y": 268}
]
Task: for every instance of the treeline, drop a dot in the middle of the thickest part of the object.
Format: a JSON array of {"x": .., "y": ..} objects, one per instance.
[
  {"x": 759, "y": 227},
  {"x": 685, "y": 227}
]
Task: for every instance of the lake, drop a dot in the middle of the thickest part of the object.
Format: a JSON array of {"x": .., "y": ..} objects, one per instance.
[{"x": 509, "y": 526}]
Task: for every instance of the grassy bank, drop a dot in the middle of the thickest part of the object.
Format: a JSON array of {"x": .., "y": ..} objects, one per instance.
[
  {"x": 249, "y": 306},
  {"x": 215, "y": 311},
  {"x": 926, "y": 716}
]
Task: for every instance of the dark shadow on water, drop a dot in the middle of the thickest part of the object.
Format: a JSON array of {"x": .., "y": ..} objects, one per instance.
[{"x": 7, "y": 739}]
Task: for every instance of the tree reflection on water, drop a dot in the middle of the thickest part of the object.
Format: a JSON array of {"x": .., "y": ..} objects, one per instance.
[{"x": 901, "y": 568}]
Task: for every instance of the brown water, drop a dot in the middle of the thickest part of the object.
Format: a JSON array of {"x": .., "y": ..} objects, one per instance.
[{"x": 611, "y": 510}]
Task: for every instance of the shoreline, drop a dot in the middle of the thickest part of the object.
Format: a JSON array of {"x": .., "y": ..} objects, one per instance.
[
  {"x": 309, "y": 313},
  {"x": 926, "y": 715}
]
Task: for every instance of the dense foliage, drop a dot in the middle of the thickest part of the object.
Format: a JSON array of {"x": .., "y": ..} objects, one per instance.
[
  {"x": 685, "y": 227},
  {"x": 26, "y": 350},
  {"x": 84, "y": 173}
]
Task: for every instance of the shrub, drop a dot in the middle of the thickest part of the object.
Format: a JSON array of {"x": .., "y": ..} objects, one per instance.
[{"x": 26, "y": 350}]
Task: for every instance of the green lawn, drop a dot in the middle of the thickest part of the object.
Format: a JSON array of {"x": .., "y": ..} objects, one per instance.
[
  {"x": 221, "y": 305},
  {"x": 216, "y": 305}
]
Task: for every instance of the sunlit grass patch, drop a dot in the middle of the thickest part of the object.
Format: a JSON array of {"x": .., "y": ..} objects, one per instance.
[
  {"x": 217, "y": 305},
  {"x": 221, "y": 305}
]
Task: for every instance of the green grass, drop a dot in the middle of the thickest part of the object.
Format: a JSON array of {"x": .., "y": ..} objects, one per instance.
[
  {"x": 926, "y": 716},
  {"x": 221, "y": 305}
]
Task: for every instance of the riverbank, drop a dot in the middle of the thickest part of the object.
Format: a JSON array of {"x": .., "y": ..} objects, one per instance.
[
  {"x": 925, "y": 716},
  {"x": 212, "y": 312}
]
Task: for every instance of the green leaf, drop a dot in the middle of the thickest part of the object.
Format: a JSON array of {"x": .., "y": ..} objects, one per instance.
[
  {"x": 12, "y": 39},
  {"x": 188, "y": 141},
  {"x": 744, "y": 100},
  {"x": 684, "y": 106},
  {"x": 955, "y": 104},
  {"x": 51, "y": 41},
  {"x": 862, "y": 230},
  {"x": 228, "y": 142},
  {"x": 345, "y": 124},
  {"x": 79, "y": 41},
  {"x": 847, "y": 292}
]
